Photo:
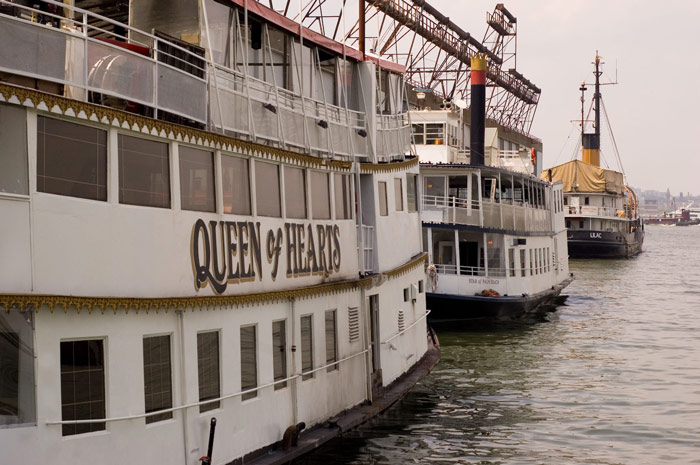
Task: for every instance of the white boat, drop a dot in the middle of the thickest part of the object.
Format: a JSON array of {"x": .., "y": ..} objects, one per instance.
[
  {"x": 494, "y": 233},
  {"x": 198, "y": 222}
]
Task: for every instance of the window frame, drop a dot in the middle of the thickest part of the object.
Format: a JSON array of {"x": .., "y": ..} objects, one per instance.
[
  {"x": 105, "y": 175},
  {"x": 310, "y": 350},
  {"x": 213, "y": 189},
  {"x": 95, "y": 426},
  {"x": 245, "y": 387},
  {"x": 331, "y": 360},
  {"x": 382, "y": 198},
  {"x": 166, "y": 415},
  {"x": 281, "y": 384},
  {"x": 214, "y": 404},
  {"x": 120, "y": 171}
]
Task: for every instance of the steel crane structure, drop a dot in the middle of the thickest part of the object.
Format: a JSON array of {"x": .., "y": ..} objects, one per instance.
[{"x": 434, "y": 50}]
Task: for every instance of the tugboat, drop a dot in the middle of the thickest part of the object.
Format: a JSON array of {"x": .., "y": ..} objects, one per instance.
[
  {"x": 495, "y": 237},
  {"x": 602, "y": 215},
  {"x": 686, "y": 219}
]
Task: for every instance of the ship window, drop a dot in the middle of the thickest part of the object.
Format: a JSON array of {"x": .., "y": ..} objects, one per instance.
[
  {"x": 16, "y": 369},
  {"x": 434, "y": 188},
  {"x": 532, "y": 264},
  {"x": 523, "y": 270},
  {"x": 580, "y": 224},
  {"x": 566, "y": 200},
  {"x": 398, "y": 194},
  {"x": 157, "y": 377},
  {"x": 236, "y": 185},
  {"x": 307, "y": 343},
  {"x": 295, "y": 192},
  {"x": 13, "y": 151},
  {"x": 267, "y": 189},
  {"x": 568, "y": 224},
  {"x": 586, "y": 201},
  {"x": 71, "y": 159},
  {"x": 405, "y": 294},
  {"x": 343, "y": 200},
  {"x": 421, "y": 289},
  {"x": 511, "y": 261},
  {"x": 418, "y": 131},
  {"x": 383, "y": 208},
  {"x": 249, "y": 364},
  {"x": 331, "y": 344},
  {"x": 197, "y": 179},
  {"x": 208, "y": 376},
  {"x": 82, "y": 385},
  {"x": 144, "y": 172},
  {"x": 412, "y": 192},
  {"x": 549, "y": 262},
  {"x": 320, "y": 196},
  {"x": 279, "y": 352},
  {"x": 434, "y": 133}
]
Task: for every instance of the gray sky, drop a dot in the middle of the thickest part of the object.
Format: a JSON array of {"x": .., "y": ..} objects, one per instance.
[{"x": 655, "y": 109}]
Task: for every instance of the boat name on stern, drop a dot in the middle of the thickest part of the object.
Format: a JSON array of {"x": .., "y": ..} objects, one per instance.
[{"x": 231, "y": 252}]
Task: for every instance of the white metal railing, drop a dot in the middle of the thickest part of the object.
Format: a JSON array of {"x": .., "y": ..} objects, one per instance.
[
  {"x": 470, "y": 270},
  {"x": 418, "y": 320},
  {"x": 589, "y": 210},
  {"x": 135, "y": 69},
  {"x": 204, "y": 402},
  {"x": 60, "y": 49},
  {"x": 510, "y": 215}
]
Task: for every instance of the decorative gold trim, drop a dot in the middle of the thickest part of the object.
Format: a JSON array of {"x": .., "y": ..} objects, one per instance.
[
  {"x": 368, "y": 168},
  {"x": 410, "y": 266},
  {"x": 35, "y": 302},
  {"x": 73, "y": 108}
]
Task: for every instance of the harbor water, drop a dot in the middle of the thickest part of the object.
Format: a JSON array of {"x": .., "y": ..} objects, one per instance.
[{"x": 611, "y": 377}]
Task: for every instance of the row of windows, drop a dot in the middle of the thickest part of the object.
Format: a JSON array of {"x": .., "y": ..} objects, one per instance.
[
  {"x": 559, "y": 201},
  {"x": 72, "y": 161},
  {"x": 83, "y": 370},
  {"x": 411, "y": 195},
  {"x": 540, "y": 261}
]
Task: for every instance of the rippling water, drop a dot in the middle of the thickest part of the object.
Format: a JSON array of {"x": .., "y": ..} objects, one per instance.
[{"x": 612, "y": 377}]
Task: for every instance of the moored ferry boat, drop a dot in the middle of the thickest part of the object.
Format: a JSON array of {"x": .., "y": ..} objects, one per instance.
[
  {"x": 198, "y": 222},
  {"x": 493, "y": 231},
  {"x": 602, "y": 214}
]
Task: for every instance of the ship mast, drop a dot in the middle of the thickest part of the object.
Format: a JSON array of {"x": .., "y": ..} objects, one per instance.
[{"x": 590, "y": 151}]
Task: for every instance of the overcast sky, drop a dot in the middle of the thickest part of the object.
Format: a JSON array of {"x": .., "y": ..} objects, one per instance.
[{"x": 655, "y": 109}]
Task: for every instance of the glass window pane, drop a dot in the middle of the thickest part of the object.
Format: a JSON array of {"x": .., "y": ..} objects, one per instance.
[
  {"x": 208, "y": 369},
  {"x": 157, "y": 377},
  {"x": 411, "y": 192},
  {"x": 71, "y": 159},
  {"x": 434, "y": 187},
  {"x": 13, "y": 150},
  {"x": 82, "y": 385},
  {"x": 279, "y": 352},
  {"x": 267, "y": 189},
  {"x": 197, "y": 179},
  {"x": 331, "y": 344},
  {"x": 320, "y": 196},
  {"x": 17, "y": 404},
  {"x": 383, "y": 208},
  {"x": 295, "y": 192},
  {"x": 236, "y": 185},
  {"x": 307, "y": 342},
  {"x": 398, "y": 195},
  {"x": 144, "y": 172},
  {"x": 343, "y": 204},
  {"x": 249, "y": 365}
]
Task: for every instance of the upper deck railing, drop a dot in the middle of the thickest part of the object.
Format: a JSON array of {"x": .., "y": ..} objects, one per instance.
[
  {"x": 589, "y": 210},
  {"x": 150, "y": 75},
  {"x": 508, "y": 215}
]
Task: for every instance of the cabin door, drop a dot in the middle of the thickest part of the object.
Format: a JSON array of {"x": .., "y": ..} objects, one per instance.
[
  {"x": 375, "y": 341},
  {"x": 446, "y": 253},
  {"x": 469, "y": 257}
]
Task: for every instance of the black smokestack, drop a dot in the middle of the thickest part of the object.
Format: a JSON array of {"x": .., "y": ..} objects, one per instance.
[{"x": 478, "y": 109}]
